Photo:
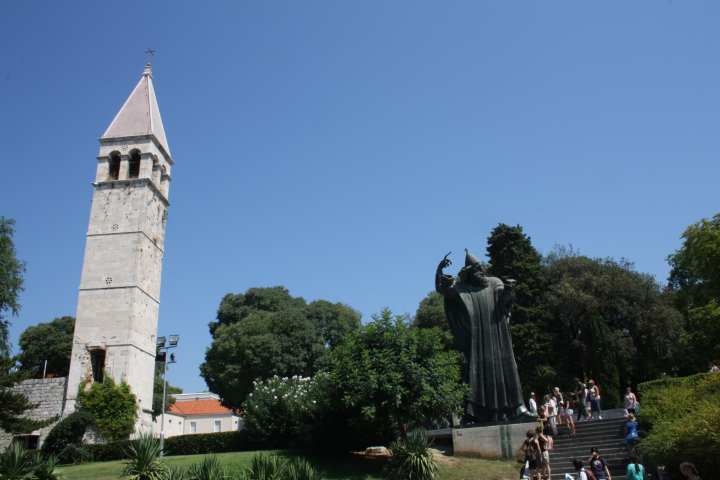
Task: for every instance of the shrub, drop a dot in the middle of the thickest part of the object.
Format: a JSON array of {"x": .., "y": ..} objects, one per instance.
[
  {"x": 279, "y": 410},
  {"x": 210, "y": 443},
  {"x": 683, "y": 416},
  {"x": 68, "y": 431},
  {"x": 207, "y": 469},
  {"x": 144, "y": 460},
  {"x": 412, "y": 458},
  {"x": 112, "y": 406},
  {"x": 74, "y": 454},
  {"x": 16, "y": 463},
  {"x": 105, "y": 452}
]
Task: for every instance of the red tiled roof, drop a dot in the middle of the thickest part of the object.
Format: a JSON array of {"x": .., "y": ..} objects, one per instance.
[{"x": 199, "y": 407}]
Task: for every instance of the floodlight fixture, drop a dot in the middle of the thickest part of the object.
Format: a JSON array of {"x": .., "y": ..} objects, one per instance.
[
  {"x": 174, "y": 339},
  {"x": 172, "y": 358},
  {"x": 160, "y": 342}
]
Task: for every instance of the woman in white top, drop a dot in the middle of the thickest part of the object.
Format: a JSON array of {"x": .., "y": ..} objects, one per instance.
[{"x": 631, "y": 403}]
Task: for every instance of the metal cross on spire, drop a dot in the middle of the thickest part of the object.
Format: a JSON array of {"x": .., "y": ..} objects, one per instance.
[{"x": 149, "y": 54}]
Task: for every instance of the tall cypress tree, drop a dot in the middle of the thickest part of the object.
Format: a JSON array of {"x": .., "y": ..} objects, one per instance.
[{"x": 512, "y": 255}]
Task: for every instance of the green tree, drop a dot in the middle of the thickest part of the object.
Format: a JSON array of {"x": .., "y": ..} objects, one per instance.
[
  {"x": 695, "y": 267},
  {"x": 158, "y": 391},
  {"x": 695, "y": 285},
  {"x": 393, "y": 377},
  {"x": 265, "y": 332},
  {"x": 112, "y": 406},
  {"x": 264, "y": 344},
  {"x": 11, "y": 281},
  {"x": 51, "y": 341},
  {"x": 512, "y": 255},
  {"x": 14, "y": 404},
  {"x": 431, "y": 312},
  {"x": 609, "y": 322}
]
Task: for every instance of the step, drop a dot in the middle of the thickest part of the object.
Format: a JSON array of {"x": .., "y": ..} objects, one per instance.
[{"x": 600, "y": 444}]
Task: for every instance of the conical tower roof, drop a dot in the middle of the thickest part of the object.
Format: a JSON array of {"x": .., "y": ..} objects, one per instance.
[{"x": 140, "y": 114}]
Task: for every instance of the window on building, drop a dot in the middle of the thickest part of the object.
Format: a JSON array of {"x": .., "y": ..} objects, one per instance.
[
  {"x": 134, "y": 167},
  {"x": 97, "y": 363},
  {"x": 193, "y": 427},
  {"x": 216, "y": 426},
  {"x": 114, "y": 166}
]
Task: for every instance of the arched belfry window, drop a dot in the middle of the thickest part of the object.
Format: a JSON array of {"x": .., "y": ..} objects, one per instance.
[
  {"x": 114, "y": 167},
  {"x": 134, "y": 167}
]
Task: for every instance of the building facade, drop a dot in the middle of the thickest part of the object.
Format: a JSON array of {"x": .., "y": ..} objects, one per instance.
[{"x": 194, "y": 413}]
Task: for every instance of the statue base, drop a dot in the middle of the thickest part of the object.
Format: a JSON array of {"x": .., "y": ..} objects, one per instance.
[{"x": 491, "y": 441}]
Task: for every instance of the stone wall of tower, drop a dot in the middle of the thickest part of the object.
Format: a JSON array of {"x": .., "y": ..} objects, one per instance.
[{"x": 119, "y": 298}]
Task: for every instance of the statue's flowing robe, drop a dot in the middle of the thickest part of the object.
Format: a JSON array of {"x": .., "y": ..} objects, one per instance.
[{"x": 479, "y": 320}]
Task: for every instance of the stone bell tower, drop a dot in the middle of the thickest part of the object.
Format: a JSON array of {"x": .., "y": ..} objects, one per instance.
[{"x": 119, "y": 297}]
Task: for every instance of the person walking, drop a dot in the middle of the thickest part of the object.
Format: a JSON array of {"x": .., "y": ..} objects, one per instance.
[
  {"x": 560, "y": 404},
  {"x": 631, "y": 402},
  {"x": 532, "y": 454},
  {"x": 545, "y": 444},
  {"x": 631, "y": 431},
  {"x": 595, "y": 411},
  {"x": 532, "y": 404},
  {"x": 635, "y": 470},
  {"x": 598, "y": 466},
  {"x": 551, "y": 407},
  {"x": 567, "y": 416}
]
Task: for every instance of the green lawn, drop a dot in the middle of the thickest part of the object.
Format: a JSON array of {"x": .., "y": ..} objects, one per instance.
[{"x": 452, "y": 468}]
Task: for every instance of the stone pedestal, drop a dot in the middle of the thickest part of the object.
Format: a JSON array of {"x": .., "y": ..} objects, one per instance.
[{"x": 492, "y": 441}]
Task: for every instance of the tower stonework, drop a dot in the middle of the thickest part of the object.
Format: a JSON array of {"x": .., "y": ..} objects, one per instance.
[{"x": 119, "y": 294}]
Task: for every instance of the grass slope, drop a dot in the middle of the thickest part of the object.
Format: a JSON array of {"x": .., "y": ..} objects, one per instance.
[{"x": 453, "y": 468}]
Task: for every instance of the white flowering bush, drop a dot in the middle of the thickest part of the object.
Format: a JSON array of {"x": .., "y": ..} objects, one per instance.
[{"x": 280, "y": 410}]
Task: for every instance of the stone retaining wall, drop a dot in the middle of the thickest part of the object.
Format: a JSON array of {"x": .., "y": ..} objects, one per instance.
[{"x": 49, "y": 396}]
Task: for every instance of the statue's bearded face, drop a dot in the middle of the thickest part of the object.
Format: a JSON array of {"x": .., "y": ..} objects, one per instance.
[{"x": 474, "y": 275}]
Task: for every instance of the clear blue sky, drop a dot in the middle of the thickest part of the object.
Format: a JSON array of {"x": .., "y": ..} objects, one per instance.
[{"x": 342, "y": 148}]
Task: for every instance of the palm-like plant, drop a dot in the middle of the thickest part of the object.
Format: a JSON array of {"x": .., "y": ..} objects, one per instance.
[
  {"x": 299, "y": 469},
  {"x": 144, "y": 460},
  {"x": 16, "y": 463},
  {"x": 265, "y": 467},
  {"x": 176, "y": 473},
  {"x": 44, "y": 468},
  {"x": 208, "y": 469},
  {"x": 412, "y": 459}
]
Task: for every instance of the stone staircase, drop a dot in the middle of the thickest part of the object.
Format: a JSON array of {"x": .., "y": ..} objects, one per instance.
[{"x": 606, "y": 435}]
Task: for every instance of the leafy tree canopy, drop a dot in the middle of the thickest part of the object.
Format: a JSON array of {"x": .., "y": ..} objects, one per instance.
[
  {"x": 265, "y": 332},
  {"x": 431, "y": 312},
  {"x": 608, "y": 321},
  {"x": 51, "y": 341},
  {"x": 14, "y": 404},
  {"x": 695, "y": 267},
  {"x": 11, "y": 280},
  {"x": 393, "y": 377}
]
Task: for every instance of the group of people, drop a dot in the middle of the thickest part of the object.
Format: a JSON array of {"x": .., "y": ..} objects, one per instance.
[{"x": 557, "y": 409}]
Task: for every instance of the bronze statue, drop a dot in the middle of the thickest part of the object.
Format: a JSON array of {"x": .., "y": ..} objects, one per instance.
[{"x": 477, "y": 308}]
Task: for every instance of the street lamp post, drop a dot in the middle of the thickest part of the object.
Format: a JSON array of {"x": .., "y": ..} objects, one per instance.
[{"x": 163, "y": 346}]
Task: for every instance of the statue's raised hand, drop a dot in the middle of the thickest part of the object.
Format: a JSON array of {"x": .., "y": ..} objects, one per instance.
[{"x": 445, "y": 262}]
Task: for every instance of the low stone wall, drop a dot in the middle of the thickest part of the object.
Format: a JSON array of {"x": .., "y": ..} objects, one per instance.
[
  {"x": 49, "y": 397},
  {"x": 494, "y": 441}
]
